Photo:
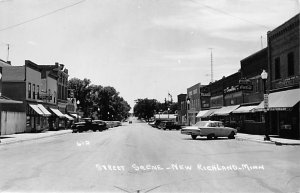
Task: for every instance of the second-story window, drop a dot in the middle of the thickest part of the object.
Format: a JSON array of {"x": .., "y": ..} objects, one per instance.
[
  {"x": 277, "y": 68},
  {"x": 33, "y": 91},
  {"x": 38, "y": 91},
  {"x": 49, "y": 94},
  {"x": 290, "y": 58},
  {"x": 29, "y": 90}
]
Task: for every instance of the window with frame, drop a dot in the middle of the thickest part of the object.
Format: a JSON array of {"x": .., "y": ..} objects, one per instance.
[
  {"x": 29, "y": 90},
  {"x": 38, "y": 91},
  {"x": 277, "y": 68},
  {"x": 290, "y": 58},
  {"x": 33, "y": 91},
  {"x": 49, "y": 95}
]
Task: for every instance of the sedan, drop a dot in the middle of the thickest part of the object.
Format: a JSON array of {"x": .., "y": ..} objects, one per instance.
[{"x": 211, "y": 129}]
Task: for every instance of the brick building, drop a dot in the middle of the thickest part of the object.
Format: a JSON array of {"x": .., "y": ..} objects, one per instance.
[
  {"x": 182, "y": 109},
  {"x": 283, "y": 71}
]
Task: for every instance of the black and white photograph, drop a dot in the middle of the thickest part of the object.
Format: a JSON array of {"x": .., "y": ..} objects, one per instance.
[{"x": 142, "y": 96}]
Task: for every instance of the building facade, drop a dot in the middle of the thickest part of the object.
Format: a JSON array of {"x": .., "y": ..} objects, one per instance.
[
  {"x": 182, "y": 109},
  {"x": 283, "y": 71},
  {"x": 193, "y": 103}
]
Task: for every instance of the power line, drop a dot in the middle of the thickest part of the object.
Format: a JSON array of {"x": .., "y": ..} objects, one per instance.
[
  {"x": 41, "y": 16},
  {"x": 228, "y": 14}
]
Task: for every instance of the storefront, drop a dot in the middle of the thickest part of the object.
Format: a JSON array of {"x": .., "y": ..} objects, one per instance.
[
  {"x": 58, "y": 119},
  {"x": 284, "y": 113},
  {"x": 36, "y": 117},
  {"x": 249, "y": 121}
]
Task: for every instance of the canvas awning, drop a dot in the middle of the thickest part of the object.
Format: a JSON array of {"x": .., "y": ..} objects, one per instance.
[
  {"x": 44, "y": 110},
  {"x": 69, "y": 117},
  {"x": 57, "y": 113},
  {"x": 208, "y": 113},
  {"x": 201, "y": 113},
  {"x": 36, "y": 109},
  {"x": 281, "y": 101},
  {"x": 224, "y": 111},
  {"x": 244, "y": 109},
  {"x": 6, "y": 100}
]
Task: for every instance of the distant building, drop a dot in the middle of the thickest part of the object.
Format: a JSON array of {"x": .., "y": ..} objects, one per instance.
[{"x": 182, "y": 109}]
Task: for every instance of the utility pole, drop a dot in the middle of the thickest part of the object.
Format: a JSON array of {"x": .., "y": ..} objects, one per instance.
[
  {"x": 211, "y": 65},
  {"x": 7, "y": 59}
]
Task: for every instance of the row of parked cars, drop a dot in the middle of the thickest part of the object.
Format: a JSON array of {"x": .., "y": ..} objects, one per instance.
[
  {"x": 209, "y": 129},
  {"x": 87, "y": 124},
  {"x": 165, "y": 125}
]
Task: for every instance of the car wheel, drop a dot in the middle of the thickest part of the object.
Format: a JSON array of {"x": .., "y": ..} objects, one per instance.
[
  {"x": 231, "y": 136},
  {"x": 194, "y": 136},
  {"x": 210, "y": 136}
]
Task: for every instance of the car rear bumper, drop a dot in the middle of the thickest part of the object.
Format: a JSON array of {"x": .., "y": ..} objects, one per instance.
[{"x": 190, "y": 132}]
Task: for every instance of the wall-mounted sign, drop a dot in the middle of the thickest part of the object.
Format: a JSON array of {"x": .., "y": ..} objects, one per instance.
[
  {"x": 45, "y": 96},
  {"x": 294, "y": 80}
]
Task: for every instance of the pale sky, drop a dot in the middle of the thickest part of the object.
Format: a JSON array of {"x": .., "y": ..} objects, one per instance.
[{"x": 143, "y": 48}]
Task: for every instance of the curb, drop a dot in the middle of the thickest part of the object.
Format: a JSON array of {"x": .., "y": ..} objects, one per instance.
[
  {"x": 266, "y": 142},
  {"x": 34, "y": 138}
]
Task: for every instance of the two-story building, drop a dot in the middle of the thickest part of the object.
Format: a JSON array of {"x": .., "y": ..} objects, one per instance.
[
  {"x": 182, "y": 109},
  {"x": 24, "y": 83},
  {"x": 11, "y": 121},
  {"x": 283, "y": 78}
]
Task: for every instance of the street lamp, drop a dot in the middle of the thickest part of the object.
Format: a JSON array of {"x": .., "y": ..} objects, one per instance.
[
  {"x": 187, "y": 111},
  {"x": 264, "y": 76}
]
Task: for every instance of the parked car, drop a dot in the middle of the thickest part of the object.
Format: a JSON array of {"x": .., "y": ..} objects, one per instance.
[
  {"x": 210, "y": 129},
  {"x": 169, "y": 125},
  {"x": 85, "y": 125},
  {"x": 101, "y": 124}
]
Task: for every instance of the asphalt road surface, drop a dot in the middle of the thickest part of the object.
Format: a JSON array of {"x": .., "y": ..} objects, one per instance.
[{"x": 138, "y": 158}]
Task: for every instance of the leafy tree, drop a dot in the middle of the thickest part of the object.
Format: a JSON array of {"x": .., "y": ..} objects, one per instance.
[
  {"x": 145, "y": 108},
  {"x": 100, "y": 102}
]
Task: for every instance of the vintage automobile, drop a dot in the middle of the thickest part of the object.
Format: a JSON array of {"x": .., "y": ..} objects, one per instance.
[
  {"x": 85, "y": 125},
  {"x": 211, "y": 129},
  {"x": 101, "y": 124}
]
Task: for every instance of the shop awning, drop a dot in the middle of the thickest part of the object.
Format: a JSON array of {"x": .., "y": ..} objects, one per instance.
[
  {"x": 7, "y": 100},
  {"x": 58, "y": 113},
  {"x": 209, "y": 113},
  {"x": 245, "y": 109},
  {"x": 281, "y": 101},
  {"x": 224, "y": 111},
  {"x": 36, "y": 109},
  {"x": 69, "y": 117},
  {"x": 44, "y": 110},
  {"x": 201, "y": 113},
  {"x": 75, "y": 115}
]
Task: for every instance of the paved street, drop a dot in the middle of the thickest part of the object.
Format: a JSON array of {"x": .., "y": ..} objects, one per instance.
[{"x": 138, "y": 158}]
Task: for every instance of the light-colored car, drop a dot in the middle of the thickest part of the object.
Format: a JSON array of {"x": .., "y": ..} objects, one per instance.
[{"x": 211, "y": 129}]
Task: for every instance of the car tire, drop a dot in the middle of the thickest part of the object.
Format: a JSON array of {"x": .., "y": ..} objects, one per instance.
[
  {"x": 210, "y": 136},
  {"x": 194, "y": 137},
  {"x": 231, "y": 136}
]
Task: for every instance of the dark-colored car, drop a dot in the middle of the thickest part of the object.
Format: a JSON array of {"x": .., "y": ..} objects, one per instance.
[
  {"x": 85, "y": 125},
  {"x": 169, "y": 125},
  {"x": 102, "y": 124}
]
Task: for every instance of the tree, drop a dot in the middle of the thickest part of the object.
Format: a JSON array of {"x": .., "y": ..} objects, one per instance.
[
  {"x": 145, "y": 108},
  {"x": 99, "y": 102}
]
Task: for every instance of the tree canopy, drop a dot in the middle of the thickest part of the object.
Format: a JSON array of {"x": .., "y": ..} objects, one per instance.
[
  {"x": 147, "y": 108},
  {"x": 98, "y": 101}
]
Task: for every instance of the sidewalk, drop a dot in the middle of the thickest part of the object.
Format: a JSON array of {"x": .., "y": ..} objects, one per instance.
[
  {"x": 260, "y": 138},
  {"x": 16, "y": 138}
]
